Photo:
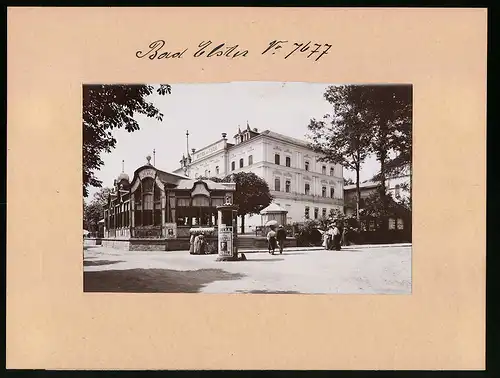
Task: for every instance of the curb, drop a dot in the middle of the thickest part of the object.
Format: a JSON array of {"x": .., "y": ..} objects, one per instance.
[{"x": 305, "y": 249}]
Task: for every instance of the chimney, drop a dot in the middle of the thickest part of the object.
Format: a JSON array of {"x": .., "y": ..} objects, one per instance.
[
  {"x": 255, "y": 130},
  {"x": 224, "y": 136},
  {"x": 193, "y": 150}
]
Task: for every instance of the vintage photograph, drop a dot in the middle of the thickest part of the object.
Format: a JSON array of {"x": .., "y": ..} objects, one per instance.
[{"x": 247, "y": 188}]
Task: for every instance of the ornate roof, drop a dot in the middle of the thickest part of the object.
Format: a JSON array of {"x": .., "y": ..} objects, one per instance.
[{"x": 273, "y": 208}]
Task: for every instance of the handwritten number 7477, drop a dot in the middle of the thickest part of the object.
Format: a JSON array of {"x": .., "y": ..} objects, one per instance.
[{"x": 307, "y": 48}]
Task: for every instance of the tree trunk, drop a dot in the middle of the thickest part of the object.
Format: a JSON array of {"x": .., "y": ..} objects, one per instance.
[
  {"x": 382, "y": 154},
  {"x": 242, "y": 224},
  {"x": 358, "y": 193}
]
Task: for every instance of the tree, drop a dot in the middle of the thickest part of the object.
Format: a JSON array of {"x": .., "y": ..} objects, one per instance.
[
  {"x": 389, "y": 110},
  {"x": 108, "y": 107},
  {"x": 252, "y": 193},
  {"x": 93, "y": 212},
  {"x": 344, "y": 137}
]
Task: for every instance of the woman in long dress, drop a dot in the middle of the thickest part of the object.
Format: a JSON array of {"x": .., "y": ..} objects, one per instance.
[{"x": 197, "y": 244}]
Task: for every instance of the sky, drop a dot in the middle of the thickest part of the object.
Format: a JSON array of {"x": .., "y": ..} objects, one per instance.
[{"x": 209, "y": 109}]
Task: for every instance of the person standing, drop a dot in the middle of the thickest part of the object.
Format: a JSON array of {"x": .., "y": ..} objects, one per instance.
[
  {"x": 345, "y": 231},
  {"x": 330, "y": 237},
  {"x": 337, "y": 237},
  {"x": 271, "y": 241},
  {"x": 281, "y": 237}
]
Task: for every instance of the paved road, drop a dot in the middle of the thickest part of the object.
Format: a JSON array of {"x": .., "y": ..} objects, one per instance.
[{"x": 383, "y": 270}]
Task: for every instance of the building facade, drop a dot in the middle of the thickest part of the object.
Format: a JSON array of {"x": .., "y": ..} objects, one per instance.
[
  {"x": 158, "y": 210},
  {"x": 304, "y": 187},
  {"x": 399, "y": 220}
]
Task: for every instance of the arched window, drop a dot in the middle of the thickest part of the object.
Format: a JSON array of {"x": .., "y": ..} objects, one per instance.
[
  {"x": 306, "y": 165},
  {"x": 332, "y": 192},
  {"x": 323, "y": 170},
  {"x": 323, "y": 191},
  {"x": 241, "y": 163},
  {"x": 233, "y": 166},
  {"x": 217, "y": 170},
  {"x": 250, "y": 160},
  {"x": 331, "y": 171},
  {"x": 201, "y": 201}
]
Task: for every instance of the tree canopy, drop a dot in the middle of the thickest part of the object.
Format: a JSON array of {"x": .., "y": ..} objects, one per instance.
[
  {"x": 252, "y": 193},
  {"x": 345, "y": 136},
  {"x": 93, "y": 212},
  {"x": 108, "y": 107},
  {"x": 365, "y": 120}
]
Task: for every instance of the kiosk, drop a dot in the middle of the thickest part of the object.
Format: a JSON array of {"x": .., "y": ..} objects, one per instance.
[{"x": 227, "y": 232}]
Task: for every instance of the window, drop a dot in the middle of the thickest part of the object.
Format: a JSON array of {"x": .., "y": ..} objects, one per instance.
[
  {"x": 277, "y": 184},
  {"x": 332, "y": 192},
  {"x": 323, "y": 170},
  {"x": 250, "y": 160},
  {"x": 287, "y": 186},
  {"x": 217, "y": 170},
  {"x": 201, "y": 201},
  {"x": 332, "y": 212},
  {"x": 323, "y": 213},
  {"x": 307, "y": 189},
  {"x": 148, "y": 210},
  {"x": 127, "y": 214},
  {"x": 306, "y": 165},
  {"x": 323, "y": 191},
  {"x": 233, "y": 166},
  {"x": 316, "y": 212},
  {"x": 288, "y": 161},
  {"x": 396, "y": 191},
  {"x": 241, "y": 163},
  {"x": 306, "y": 212},
  {"x": 331, "y": 171},
  {"x": 277, "y": 159},
  {"x": 400, "y": 224},
  {"x": 138, "y": 208}
]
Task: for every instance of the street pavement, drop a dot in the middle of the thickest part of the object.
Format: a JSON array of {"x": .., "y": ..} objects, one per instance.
[{"x": 353, "y": 270}]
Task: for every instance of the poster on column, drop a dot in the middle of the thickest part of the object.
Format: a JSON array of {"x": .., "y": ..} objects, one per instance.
[{"x": 226, "y": 241}]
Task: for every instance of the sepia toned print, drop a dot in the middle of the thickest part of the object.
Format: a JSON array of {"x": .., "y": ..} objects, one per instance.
[{"x": 237, "y": 197}]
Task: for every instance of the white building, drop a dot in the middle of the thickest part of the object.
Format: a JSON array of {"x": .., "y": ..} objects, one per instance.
[
  {"x": 299, "y": 183},
  {"x": 397, "y": 186}
]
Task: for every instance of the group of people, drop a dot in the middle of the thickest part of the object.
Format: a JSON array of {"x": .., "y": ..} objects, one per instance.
[
  {"x": 198, "y": 245},
  {"x": 333, "y": 237},
  {"x": 276, "y": 239}
]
